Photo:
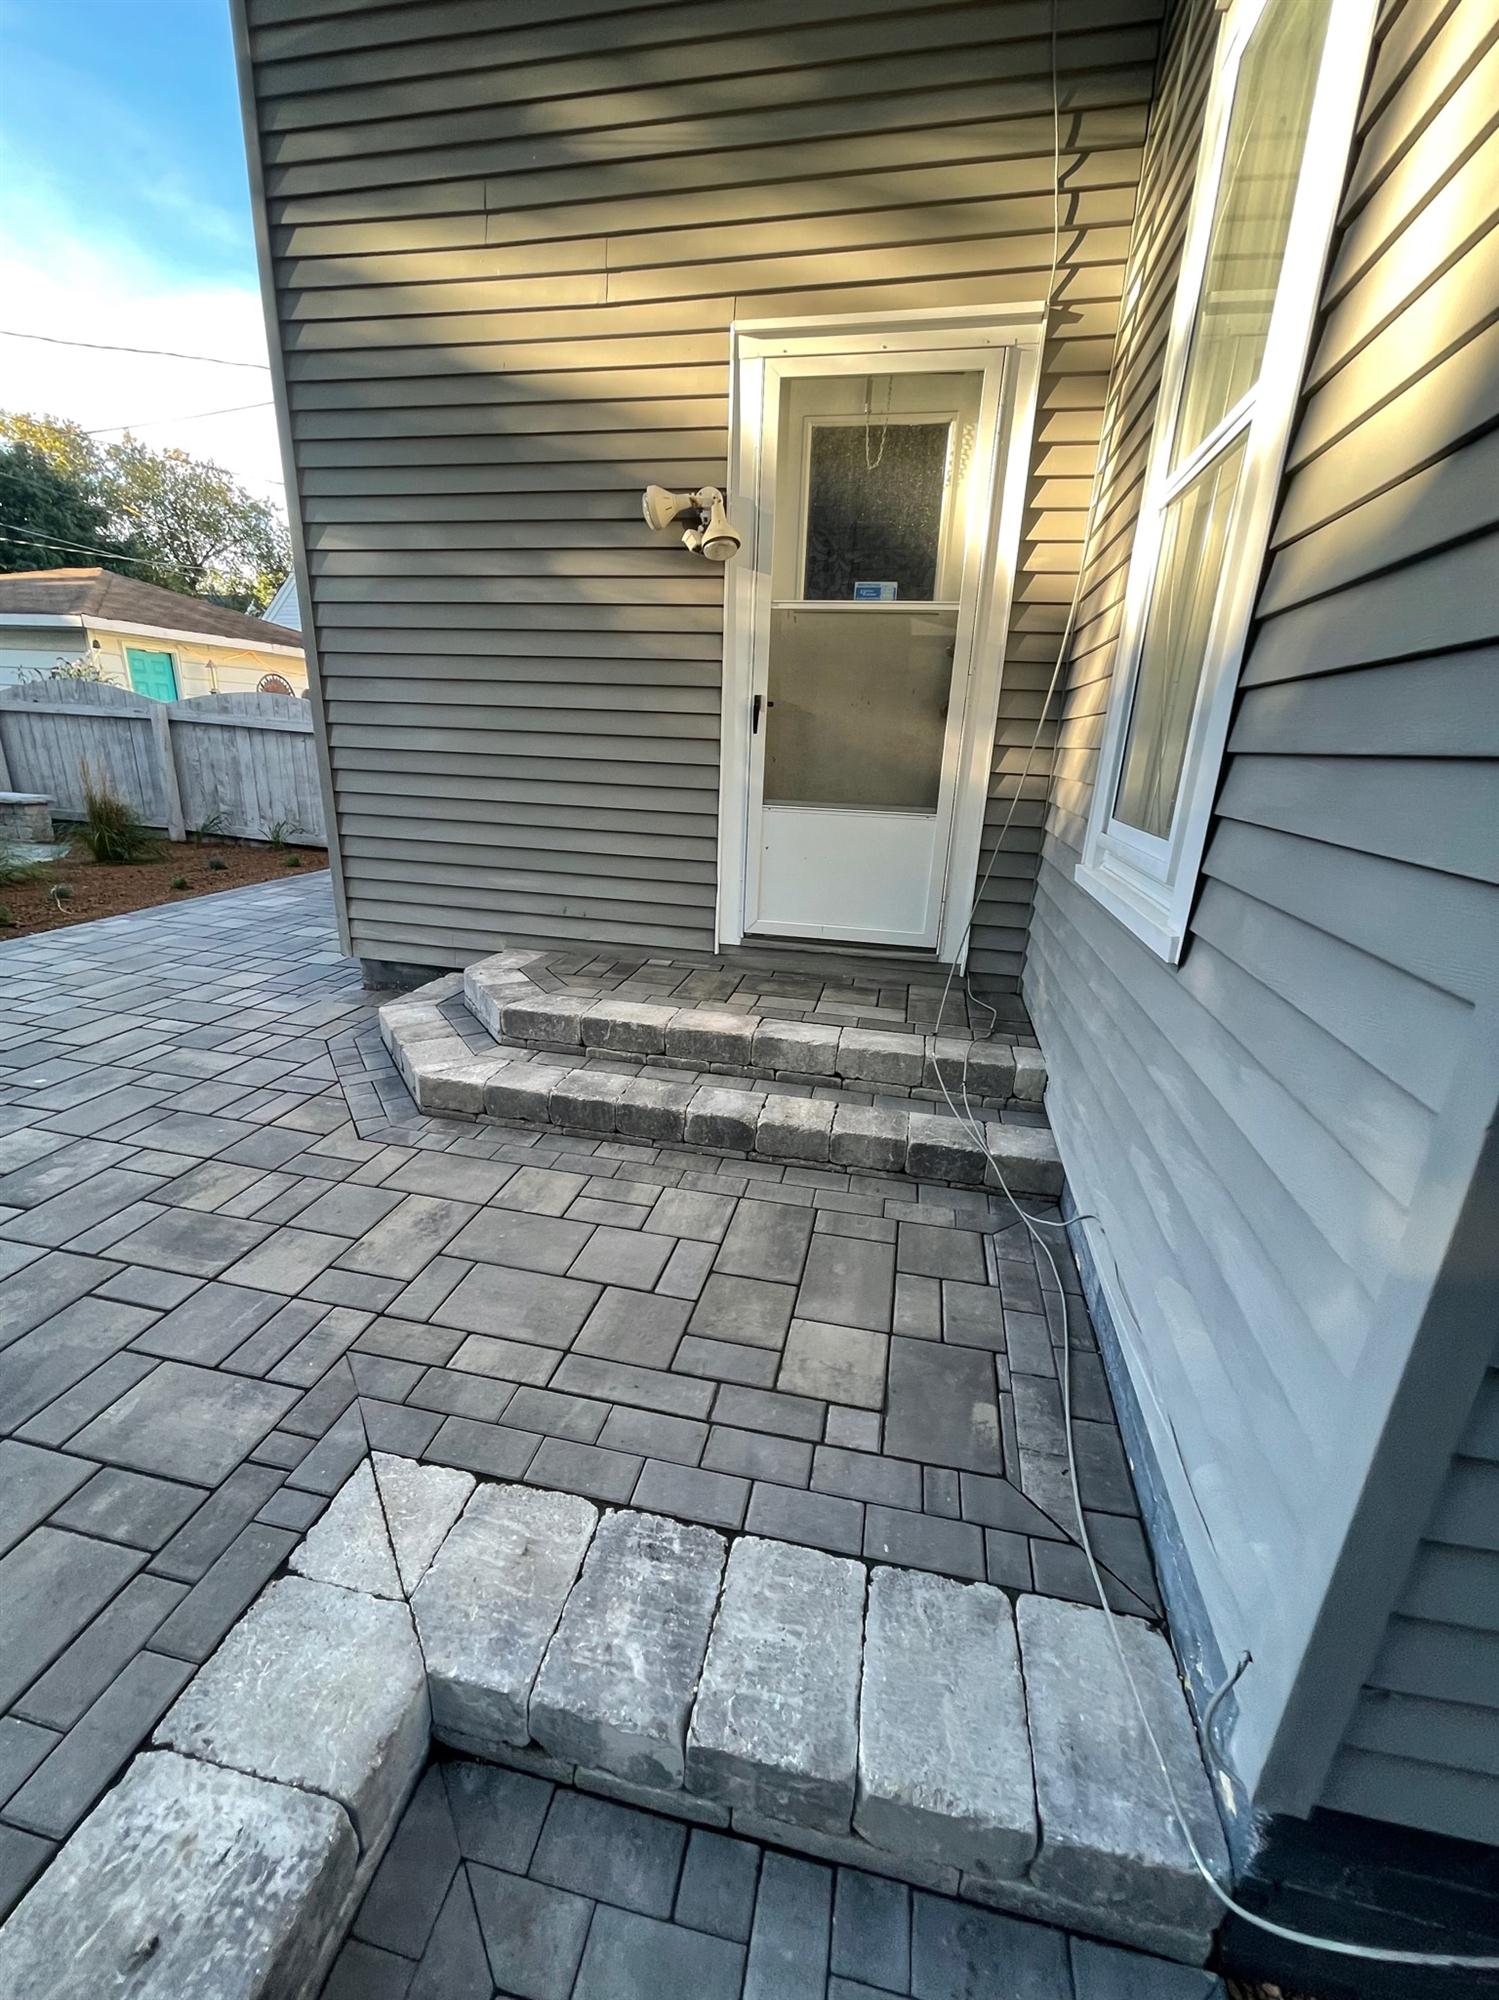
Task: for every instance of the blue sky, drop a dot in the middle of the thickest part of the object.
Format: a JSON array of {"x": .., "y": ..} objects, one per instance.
[{"x": 125, "y": 216}]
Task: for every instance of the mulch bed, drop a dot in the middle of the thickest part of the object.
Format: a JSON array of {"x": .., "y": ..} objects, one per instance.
[{"x": 99, "y": 891}]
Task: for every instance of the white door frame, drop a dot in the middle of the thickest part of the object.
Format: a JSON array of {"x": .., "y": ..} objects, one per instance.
[{"x": 1017, "y": 329}]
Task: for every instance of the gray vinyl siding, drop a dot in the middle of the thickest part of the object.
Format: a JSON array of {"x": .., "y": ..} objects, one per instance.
[
  {"x": 1256, "y": 1127},
  {"x": 507, "y": 252}
]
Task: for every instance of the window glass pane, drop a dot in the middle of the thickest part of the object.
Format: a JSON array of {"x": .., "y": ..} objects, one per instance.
[
  {"x": 875, "y": 493},
  {"x": 1176, "y": 633},
  {"x": 858, "y": 707},
  {"x": 1252, "y": 215}
]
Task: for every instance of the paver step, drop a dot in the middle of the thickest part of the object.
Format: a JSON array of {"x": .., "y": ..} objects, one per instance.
[
  {"x": 500, "y": 992},
  {"x": 893, "y": 1720},
  {"x": 615, "y": 1078}
]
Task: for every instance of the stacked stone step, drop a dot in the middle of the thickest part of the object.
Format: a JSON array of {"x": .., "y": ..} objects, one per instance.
[
  {"x": 501, "y": 994},
  {"x": 511, "y": 1081},
  {"x": 888, "y": 1719}
]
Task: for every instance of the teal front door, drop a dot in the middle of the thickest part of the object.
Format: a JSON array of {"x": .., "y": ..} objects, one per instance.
[{"x": 152, "y": 674}]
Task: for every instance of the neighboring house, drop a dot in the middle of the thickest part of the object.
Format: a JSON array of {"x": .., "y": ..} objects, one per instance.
[
  {"x": 158, "y": 642},
  {"x": 285, "y": 607},
  {"x": 1244, "y": 858}
]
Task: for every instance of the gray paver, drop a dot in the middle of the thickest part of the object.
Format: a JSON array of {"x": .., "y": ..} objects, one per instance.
[
  {"x": 632, "y": 1957},
  {"x": 200, "y": 1245},
  {"x": 411, "y": 1883},
  {"x": 242, "y": 1909},
  {"x": 66, "y": 1784},
  {"x": 717, "y": 1889},
  {"x": 621, "y": 1671},
  {"x": 497, "y": 1813},
  {"x": 318, "y": 1687},
  {"x": 32, "y": 1483},
  {"x": 774, "y": 1728},
  {"x": 82, "y": 1673},
  {"x": 765, "y": 1240},
  {"x": 944, "y": 1753},
  {"x": 712, "y": 1497},
  {"x": 51, "y": 1585},
  {"x": 839, "y": 1364},
  {"x": 942, "y": 1407},
  {"x": 746, "y": 1312},
  {"x": 526, "y": 1304},
  {"x": 455, "y": 1965},
  {"x": 489, "y": 1604},
  {"x": 217, "y": 1599},
  {"x": 533, "y": 1933},
  {"x": 848, "y": 1282},
  {"x": 186, "y": 1423},
  {"x": 819, "y": 1520},
  {"x": 871, "y": 1930},
  {"x": 789, "y": 1945},
  {"x": 961, "y": 1953},
  {"x": 610, "y": 1852}
]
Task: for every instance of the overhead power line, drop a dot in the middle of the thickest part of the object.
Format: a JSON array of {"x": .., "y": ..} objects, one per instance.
[
  {"x": 193, "y": 417},
  {"x": 113, "y": 347},
  {"x": 24, "y": 535}
]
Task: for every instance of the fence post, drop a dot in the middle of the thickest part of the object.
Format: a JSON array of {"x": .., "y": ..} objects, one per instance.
[
  {"x": 5, "y": 783},
  {"x": 171, "y": 793}
]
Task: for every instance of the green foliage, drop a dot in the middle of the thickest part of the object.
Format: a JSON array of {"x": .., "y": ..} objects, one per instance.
[
  {"x": 111, "y": 831},
  {"x": 53, "y": 518},
  {"x": 210, "y": 827},
  {"x": 85, "y": 668},
  {"x": 178, "y": 882},
  {"x": 292, "y": 861},
  {"x": 217, "y": 862},
  {"x": 7, "y": 917},
  {"x": 60, "y": 893},
  {"x": 164, "y": 516},
  {"x": 279, "y": 831},
  {"x": 14, "y": 869}
]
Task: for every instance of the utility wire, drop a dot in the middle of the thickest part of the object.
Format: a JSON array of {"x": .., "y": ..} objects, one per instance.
[
  {"x": 113, "y": 347},
  {"x": 1034, "y": 1225},
  {"x": 24, "y": 534},
  {"x": 195, "y": 416}
]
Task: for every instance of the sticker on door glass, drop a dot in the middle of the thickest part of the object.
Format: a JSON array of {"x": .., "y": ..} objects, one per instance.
[{"x": 877, "y": 593}]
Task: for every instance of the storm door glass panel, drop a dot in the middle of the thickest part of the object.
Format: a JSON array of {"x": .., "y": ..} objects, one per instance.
[
  {"x": 871, "y": 511},
  {"x": 876, "y": 492},
  {"x": 858, "y": 708},
  {"x": 1183, "y": 599},
  {"x": 1262, "y": 160}
]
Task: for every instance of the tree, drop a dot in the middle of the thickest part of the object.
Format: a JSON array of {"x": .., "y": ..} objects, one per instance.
[
  {"x": 50, "y": 519},
  {"x": 198, "y": 529},
  {"x": 163, "y": 516}
]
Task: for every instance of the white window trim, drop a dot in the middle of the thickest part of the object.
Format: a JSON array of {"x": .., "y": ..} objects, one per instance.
[{"x": 1147, "y": 883}]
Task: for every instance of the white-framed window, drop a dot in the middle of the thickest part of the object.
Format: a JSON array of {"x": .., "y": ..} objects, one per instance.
[{"x": 1287, "y": 76}]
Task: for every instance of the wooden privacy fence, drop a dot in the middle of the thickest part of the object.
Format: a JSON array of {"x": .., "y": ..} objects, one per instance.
[{"x": 238, "y": 764}]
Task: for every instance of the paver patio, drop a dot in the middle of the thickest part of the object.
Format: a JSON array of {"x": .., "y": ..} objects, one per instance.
[{"x": 232, "y": 1256}]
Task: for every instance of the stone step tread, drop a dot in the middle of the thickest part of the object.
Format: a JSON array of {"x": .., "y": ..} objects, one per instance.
[
  {"x": 888, "y": 1719},
  {"x": 447, "y": 1076},
  {"x": 515, "y": 1009}
]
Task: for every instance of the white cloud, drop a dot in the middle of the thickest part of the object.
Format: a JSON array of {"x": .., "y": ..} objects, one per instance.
[{"x": 55, "y": 281}]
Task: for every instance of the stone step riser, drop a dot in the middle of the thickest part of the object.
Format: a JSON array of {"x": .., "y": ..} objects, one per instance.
[
  {"x": 515, "y": 1010},
  {"x": 448, "y": 1080}
]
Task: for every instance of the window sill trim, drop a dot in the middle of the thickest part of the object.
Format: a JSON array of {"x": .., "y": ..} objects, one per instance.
[{"x": 1153, "y": 922}]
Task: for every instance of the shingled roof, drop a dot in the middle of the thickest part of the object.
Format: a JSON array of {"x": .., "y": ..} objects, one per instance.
[{"x": 102, "y": 593}]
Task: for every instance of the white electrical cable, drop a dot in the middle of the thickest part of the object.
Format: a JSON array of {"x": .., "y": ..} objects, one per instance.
[{"x": 1446, "y": 1961}]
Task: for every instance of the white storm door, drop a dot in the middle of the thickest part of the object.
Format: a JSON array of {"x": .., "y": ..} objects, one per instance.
[{"x": 872, "y": 516}]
